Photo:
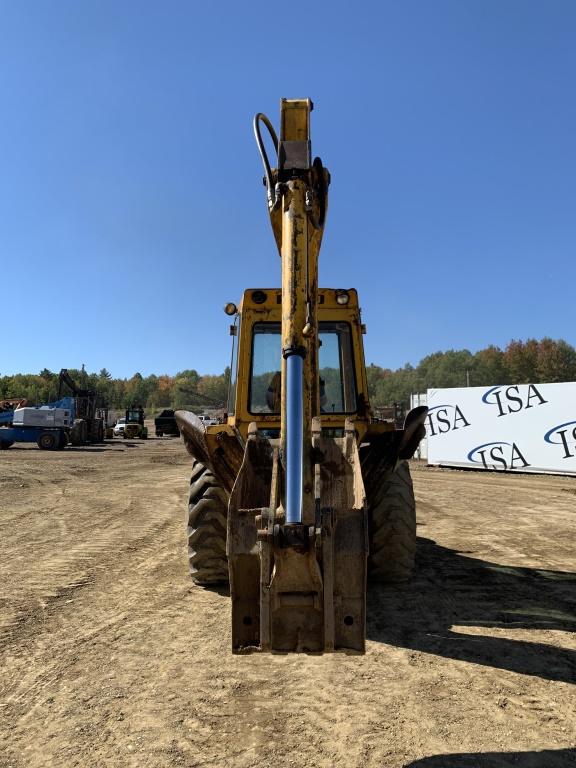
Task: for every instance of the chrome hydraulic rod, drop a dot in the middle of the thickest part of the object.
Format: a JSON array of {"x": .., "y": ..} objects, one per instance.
[
  {"x": 294, "y": 438},
  {"x": 296, "y": 413}
]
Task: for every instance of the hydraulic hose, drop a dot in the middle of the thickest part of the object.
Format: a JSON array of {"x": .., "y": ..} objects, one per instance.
[{"x": 258, "y": 118}]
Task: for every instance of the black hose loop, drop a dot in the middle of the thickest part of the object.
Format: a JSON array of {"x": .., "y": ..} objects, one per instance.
[{"x": 258, "y": 118}]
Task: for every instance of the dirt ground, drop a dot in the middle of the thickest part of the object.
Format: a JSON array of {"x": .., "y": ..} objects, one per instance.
[{"x": 111, "y": 657}]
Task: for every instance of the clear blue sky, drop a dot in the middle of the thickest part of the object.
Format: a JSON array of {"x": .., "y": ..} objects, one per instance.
[{"x": 131, "y": 205}]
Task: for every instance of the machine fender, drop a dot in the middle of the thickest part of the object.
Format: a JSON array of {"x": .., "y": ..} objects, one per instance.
[
  {"x": 219, "y": 448},
  {"x": 193, "y": 433},
  {"x": 385, "y": 451},
  {"x": 414, "y": 431}
]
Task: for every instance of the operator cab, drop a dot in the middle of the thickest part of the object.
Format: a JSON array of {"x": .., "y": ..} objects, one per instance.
[
  {"x": 135, "y": 415},
  {"x": 257, "y": 349}
]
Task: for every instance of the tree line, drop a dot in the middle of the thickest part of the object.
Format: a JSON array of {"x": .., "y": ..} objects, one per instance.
[
  {"x": 521, "y": 362},
  {"x": 187, "y": 389}
]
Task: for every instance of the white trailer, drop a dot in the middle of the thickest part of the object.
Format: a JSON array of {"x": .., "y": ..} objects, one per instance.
[{"x": 516, "y": 428}]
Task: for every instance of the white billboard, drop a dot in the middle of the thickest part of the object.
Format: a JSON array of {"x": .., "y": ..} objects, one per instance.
[{"x": 522, "y": 428}]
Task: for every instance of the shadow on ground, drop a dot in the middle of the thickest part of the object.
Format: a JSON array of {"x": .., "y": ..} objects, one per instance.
[
  {"x": 102, "y": 447},
  {"x": 92, "y": 448},
  {"x": 450, "y": 589},
  {"x": 547, "y": 758}
]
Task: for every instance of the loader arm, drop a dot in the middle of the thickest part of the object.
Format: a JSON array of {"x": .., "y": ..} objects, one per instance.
[{"x": 297, "y": 200}]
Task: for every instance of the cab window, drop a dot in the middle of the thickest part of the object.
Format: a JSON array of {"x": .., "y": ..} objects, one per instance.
[
  {"x": 266, "y": 364},
  {"x": 336, "y": 363}
]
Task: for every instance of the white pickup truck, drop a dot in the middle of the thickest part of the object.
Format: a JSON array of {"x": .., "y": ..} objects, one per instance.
[{"x": 207, "y": 420}]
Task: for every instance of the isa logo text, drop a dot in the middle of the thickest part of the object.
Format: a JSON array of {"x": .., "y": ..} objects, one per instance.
[
  {"x": 498, "y": 455},
  {"x": 445, "y": 418},
  {"x": 513, "y": 399},
  {"x": 564, "y": 435}
]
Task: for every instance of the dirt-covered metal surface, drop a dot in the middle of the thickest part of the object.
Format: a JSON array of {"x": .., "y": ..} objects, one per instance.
[{"x": 111, "y": 657}]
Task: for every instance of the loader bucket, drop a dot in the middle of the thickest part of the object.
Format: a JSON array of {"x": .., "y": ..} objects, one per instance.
[{"x": 298, "y": 588}]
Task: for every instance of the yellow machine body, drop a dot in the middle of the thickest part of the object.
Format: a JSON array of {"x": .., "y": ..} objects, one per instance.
[
  {"x": 289, "y": 473},
  {"x": 240, "y": 415}
]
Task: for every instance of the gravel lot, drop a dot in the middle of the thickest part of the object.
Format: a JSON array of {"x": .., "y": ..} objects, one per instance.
[{"x": 111, "y": 657}]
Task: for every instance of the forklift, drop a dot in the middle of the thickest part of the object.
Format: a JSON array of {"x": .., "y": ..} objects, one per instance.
[
  {"x": 89, "y": 423},
  {"x": 135, "y": 423}
]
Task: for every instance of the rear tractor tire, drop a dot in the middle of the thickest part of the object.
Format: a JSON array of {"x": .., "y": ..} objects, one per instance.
[
  {"x": 392, "y": 528},
  {"x": 207, "y": 520}
]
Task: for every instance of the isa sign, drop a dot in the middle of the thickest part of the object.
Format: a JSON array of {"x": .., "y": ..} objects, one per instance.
[{"x": 523, "y": 427}]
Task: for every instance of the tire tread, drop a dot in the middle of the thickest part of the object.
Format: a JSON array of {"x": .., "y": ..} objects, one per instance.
[
  {"x": 392, "y": 528},
  {"x": 207, "y": 520}
]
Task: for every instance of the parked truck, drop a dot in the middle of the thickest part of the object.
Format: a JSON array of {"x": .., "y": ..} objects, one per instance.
[{"x": 165, "y": 424}]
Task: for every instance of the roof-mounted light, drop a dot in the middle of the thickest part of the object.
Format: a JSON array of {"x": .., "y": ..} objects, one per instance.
[
  {"x": 231, "y": 308},
  {"x": 342, "y": 297},
  {"x": 259, "y": 297}
]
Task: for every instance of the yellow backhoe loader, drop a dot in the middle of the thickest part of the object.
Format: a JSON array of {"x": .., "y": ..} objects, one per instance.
[{"x": 301, "y": 495}]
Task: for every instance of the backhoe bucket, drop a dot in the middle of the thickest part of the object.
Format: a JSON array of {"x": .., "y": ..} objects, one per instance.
[{"x": 298, "y": 587}]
